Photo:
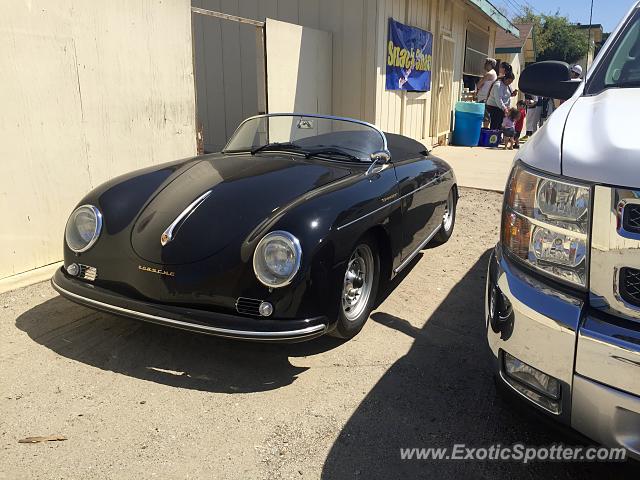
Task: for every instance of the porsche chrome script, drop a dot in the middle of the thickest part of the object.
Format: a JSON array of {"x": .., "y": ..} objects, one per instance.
[{"x": 156, "y": 270}]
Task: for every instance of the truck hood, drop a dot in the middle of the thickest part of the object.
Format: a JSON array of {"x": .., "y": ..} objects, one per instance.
[
  {"x": 239, "y": 192},
  {"x": 601, "y": 142}
]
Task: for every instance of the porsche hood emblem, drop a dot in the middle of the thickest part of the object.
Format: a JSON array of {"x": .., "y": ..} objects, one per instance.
[{"x": 159, "y": 271}]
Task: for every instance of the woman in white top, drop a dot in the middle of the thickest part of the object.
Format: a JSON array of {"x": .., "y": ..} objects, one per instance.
[
  {"x": 499, "y": 100},
  {"x": 484, "y": 85}
]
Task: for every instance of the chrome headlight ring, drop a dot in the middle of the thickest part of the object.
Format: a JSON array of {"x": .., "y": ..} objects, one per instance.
[
  {"x": 81, "y": 241},
  {"x": 277, "y": 259}
]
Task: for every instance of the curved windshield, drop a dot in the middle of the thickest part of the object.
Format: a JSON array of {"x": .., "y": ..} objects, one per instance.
[
  {"x": 309, "y": 135},
  {"x": 621, "y": 67}
]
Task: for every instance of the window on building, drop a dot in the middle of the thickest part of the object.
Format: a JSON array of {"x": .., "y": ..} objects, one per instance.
[{"x": 476, "y": 51}]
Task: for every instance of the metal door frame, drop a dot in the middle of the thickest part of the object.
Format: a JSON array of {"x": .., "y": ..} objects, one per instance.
[
  {"x": 435, "y": 119},
  {"x": 261, "y": 52}
]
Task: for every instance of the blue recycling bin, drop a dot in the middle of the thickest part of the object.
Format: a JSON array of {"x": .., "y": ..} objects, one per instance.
[
  {"x": 469, "y": 116},
  {"x": 490, "y": 138}
]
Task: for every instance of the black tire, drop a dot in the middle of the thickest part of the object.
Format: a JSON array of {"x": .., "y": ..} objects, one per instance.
[
  {"x": 446, "y": 230},
  {"x": 350, "y": 322}
]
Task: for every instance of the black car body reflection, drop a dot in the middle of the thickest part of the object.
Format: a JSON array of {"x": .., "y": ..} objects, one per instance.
[{"x": 217, "y": 208}]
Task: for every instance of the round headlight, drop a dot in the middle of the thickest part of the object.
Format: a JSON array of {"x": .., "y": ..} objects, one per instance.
[
  {"x": 277, "y": 259},
  {"x": 83, "y": 228}
]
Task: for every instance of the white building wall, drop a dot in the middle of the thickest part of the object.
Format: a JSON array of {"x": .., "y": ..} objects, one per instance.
[{"x": 90, "y": 90}]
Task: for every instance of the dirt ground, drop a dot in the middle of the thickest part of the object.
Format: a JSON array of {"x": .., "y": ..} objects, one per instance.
[{"x": 144, "y": 401}]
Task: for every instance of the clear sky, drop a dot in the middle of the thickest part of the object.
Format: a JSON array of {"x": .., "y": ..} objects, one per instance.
[{"x": 606, "y": 12}]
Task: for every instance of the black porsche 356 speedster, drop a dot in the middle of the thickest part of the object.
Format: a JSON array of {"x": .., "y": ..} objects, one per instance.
[{"x": 284, "y": 235}]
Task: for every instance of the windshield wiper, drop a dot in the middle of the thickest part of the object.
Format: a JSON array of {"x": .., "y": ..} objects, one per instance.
[
  {"x": 331, "y": 151},
  {"x": 275, "y": 146}
]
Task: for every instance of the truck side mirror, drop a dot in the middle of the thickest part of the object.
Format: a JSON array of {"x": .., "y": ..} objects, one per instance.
[{"x": 550, "y": 79}]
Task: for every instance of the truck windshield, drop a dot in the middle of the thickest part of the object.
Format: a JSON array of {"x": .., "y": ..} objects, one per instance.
[
  {"x": 331, "y": 137},
  {"x": 621, "y": 66}
]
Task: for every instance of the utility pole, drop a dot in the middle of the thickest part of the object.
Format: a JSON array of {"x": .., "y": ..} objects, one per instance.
[{"x": 589, "y": 37}]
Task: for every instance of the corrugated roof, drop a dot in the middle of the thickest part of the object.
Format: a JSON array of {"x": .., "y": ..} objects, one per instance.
[
  {"x": 495, "y": 15},
  {"x": 506, "y": 40}
]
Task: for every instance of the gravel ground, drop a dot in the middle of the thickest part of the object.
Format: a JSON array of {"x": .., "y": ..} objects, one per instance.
[{"x": 143, "y": 401}]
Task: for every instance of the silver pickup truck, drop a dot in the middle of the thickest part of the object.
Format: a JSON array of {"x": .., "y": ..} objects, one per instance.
[{"x": 563, "y": 286}]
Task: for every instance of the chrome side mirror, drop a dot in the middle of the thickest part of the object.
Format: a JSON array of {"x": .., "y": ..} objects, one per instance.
[
  {"x": 378, "y": 160},
  {"x": 381, "y": 156}
]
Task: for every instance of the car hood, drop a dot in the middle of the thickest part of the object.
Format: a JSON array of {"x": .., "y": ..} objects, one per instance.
[
  {"x": 241, "y": 191},
  {"x": 601, "y": 143}
]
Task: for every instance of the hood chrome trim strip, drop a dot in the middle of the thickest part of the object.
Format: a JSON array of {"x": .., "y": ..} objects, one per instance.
[{"x": 168, "y": 234}]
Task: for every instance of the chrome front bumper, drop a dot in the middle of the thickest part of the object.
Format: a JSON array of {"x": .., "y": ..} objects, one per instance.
[
  {"x": 210, "y": 323},
  {"x": 596, "y": 362}
]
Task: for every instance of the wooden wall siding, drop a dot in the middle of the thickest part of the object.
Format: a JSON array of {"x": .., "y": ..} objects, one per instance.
[
  {"x": 224, "y": 54},
  {"x": 225, "y": 69},
  {"x": 90, "y": 90},
  {"x": 415, "y": 114},
  {"x": 399, "y": 111},
  {"x": 359, "y": 29}
]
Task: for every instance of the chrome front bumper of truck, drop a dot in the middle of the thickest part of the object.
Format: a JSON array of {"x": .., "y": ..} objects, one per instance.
[{"x": 595, "y": 358}]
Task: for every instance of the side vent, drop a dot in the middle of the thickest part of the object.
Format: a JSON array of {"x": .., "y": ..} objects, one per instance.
[
  {"x": 88, "y": 273},
  {"x": 248, "y": 306}
]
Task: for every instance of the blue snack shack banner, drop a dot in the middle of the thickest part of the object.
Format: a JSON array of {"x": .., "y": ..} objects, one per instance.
[{"x": 409, "y": 54}]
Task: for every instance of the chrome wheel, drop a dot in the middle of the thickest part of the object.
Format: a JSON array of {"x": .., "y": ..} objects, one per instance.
[
  {"x": 449, "y": 211},
  {"x": 358, "y": 282}
]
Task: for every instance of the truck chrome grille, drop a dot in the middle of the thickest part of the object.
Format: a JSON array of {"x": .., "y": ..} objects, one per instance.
[
  {"x": 248, "y": 306},
  {"x": 630, "y": 285},
  {"x": 614, "y": 271},
  {"x": 631, "y": 219}
]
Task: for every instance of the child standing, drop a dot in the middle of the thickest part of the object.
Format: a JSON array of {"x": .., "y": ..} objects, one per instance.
[
  {"x": 519, "y": 125},
  {"x": 508, "y": 127}
]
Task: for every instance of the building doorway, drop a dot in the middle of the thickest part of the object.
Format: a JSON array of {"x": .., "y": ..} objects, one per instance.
[
  {"x": 244, "y": 67},
  {"x": 442, "y": 121}
]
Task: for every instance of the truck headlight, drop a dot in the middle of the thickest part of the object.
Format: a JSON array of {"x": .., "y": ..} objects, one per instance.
[
  {"x": 277, "y": 259},
  {"x": 545, "y": 224}
]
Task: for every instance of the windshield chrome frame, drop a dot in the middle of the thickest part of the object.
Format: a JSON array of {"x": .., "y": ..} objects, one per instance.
[{"x": 308, "y": 115}]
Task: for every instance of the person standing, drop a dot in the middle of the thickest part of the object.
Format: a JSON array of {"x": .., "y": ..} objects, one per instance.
[
  {"x": 547, "y": 109},
  {"x": 519, "y": 125},
  {"x": 576, "y": 72},
  {"x": 534, "y": 111},
  {"x": 505, "y": 67},
  {"x": 499, "y": 100},
  {"x": 509, "y": 128},
  {"x": 484, "y": 85}
]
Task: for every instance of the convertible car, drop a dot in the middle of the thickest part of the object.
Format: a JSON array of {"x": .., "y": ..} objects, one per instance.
[{"x": 284, "y": 235}]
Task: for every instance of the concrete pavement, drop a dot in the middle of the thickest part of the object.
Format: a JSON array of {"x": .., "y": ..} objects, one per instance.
[
  {"x": 478, "y": 167},
  {"x": 143, "y": 401}
]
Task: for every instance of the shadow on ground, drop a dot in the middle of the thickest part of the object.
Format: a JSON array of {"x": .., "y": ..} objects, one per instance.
[
  {"x": 440, "y": 394},
  {"x": 170, "y": 356},
  {"x": 162, "y": 354}
]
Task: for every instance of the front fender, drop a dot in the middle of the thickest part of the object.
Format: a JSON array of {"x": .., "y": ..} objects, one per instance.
[{"x": 322, "y": 220}]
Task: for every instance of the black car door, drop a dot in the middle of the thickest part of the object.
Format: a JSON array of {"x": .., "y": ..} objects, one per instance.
[{"x": 418, "y": 200}]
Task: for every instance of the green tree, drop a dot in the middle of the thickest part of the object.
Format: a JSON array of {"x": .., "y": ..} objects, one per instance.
[{"x": 556, "y": 38}]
